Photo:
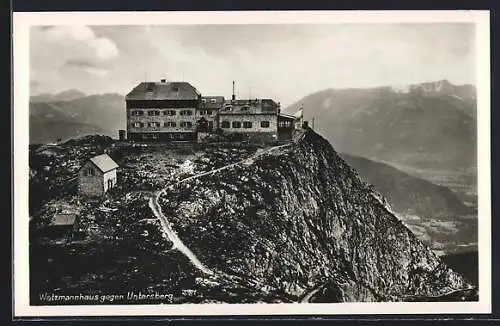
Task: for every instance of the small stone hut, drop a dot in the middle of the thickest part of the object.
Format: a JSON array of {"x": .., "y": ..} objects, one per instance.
[{"x": 97, "y": 176}]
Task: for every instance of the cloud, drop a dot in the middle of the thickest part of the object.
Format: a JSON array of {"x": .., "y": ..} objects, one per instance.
[
  {"x": 69, "y": 57},
  {"x": 87, "y": 66},
  {"x": 102, "y": 48},
  {"x": 285, "y": 62},
  {"x": 80, "y": 63}
]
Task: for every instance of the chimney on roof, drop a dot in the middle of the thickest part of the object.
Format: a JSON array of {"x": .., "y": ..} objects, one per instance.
[
  {"x": 163, "y": 80},
  {"x": 234, "y": 96}
]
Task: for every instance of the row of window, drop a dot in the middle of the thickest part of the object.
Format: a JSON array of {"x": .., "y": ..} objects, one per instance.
[
  {"x": 245, "y": 124},
  {"x": 170, "y": 135},
  {"x": 189, "y": 124},
  {"x": 138, "y": 113},
  {"x": 169, "y": 112},
  {"x": 170, "y": 124},
  {"x": 229, "y": 108},
  {"x": 285, "y": 124}
]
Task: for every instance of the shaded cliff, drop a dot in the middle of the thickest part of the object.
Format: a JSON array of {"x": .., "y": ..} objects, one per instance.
[
  {"x": 408, "y": 194},
  {"x": 298, "y": 220}
]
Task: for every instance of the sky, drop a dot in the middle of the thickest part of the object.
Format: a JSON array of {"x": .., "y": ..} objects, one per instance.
[{"x": 283, "y": 62}]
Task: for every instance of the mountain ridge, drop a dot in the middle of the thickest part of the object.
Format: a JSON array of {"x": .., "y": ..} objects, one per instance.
[
  {"x": 426, "y": 128},
  {"x": 55, "y": 119},
  {"x": 66, "y": 95}
]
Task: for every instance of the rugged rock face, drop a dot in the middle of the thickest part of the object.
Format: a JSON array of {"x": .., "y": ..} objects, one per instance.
[{"x": 298, "y": 222}]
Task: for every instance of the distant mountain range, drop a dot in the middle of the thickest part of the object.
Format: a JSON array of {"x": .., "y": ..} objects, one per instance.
[
  {"x": 68, "y": 95},
  {"x": 72, "y": 114},
  {"x": 427, "y": 125}
]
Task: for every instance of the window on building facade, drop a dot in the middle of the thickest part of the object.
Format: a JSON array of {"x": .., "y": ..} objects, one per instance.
[
  {"x": 89, "y": 172},
  {"x": 171, "y": 124},
  {"x": 156, "y": 112},
  {"x": 247, "y": 124},
  {"x": 138, "y": 124},
  {"x": 213, "y": 100},
  {"x": 186, "y": 112},
  {"x": 203, "y": 112},
  {"x": 209, "y": 112},
  {"x": 151, "y": 113},
  {"x": 245, "y": 108},
  {"x": 284, "y": 124},
  {"x": 137, "y": 113},
  {"x": 224, "y": 124},
  {"x": 236, "y": 124},
  {"x": 186, "y": 124},
  {"x": 264, "y": 124},
  {"x": 228, "y": 108},
  {"x": 204, "y": 100},
  {"x": 153, "y": 124}
]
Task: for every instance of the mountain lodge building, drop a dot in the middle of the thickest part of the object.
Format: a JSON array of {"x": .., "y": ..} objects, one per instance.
[{"x": 176, "y": 111}]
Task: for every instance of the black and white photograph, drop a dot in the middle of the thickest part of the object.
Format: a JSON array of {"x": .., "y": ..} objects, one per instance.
[{"x": 251, "y": 163}]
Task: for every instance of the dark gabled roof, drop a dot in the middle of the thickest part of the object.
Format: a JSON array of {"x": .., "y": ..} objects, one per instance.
[
  {"x": 218, "y": 99},
  {"x": 257, "y": 101},
  {"x": 287, "y": 116},
  {"x": 104, "y": 162},
  {"x": 211, "y": 102},
  {"x": 163, "y": 91},
  {"x": 249, "y": 106}
]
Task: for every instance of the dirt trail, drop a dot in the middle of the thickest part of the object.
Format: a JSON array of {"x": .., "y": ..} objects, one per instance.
[
  {"x": 167, "y": 227},
  {"x": 178, "y": 244}
]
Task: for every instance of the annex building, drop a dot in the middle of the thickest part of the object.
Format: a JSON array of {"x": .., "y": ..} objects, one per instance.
[
  {"x": 177, "y": 111},
  {"x": 97, "y": 175}
]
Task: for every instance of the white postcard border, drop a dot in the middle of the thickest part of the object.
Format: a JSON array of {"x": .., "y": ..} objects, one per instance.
[{"x": 21, "y": 25}]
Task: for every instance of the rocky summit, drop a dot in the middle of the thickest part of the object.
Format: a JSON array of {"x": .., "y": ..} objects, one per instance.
[
  {"x": 224, "y": 222},
  {"x": 298, "y": 222}
]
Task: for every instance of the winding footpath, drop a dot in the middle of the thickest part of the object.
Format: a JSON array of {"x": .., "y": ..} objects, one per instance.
[
  {"x": 165, "y": 223},
  {"x": 177, "y": 243}
]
